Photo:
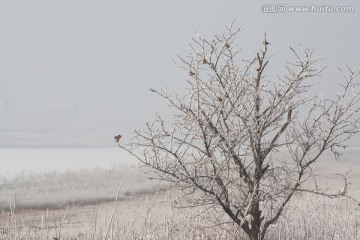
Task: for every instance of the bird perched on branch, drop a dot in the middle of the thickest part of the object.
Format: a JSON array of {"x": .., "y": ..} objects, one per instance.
[
  {"x": 117, "y": 138},
  {"x": 266, "y": 42}
]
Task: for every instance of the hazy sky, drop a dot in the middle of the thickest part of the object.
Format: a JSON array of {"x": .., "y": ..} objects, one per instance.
[{"x": 76, "y": 72}]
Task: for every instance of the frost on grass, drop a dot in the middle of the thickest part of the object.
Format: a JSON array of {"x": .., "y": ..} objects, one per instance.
[
  {"x": 57, "y": 189},
  {"x": 152, "y": 218}
]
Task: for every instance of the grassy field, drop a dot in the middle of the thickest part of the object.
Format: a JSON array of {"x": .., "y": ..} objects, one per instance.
[
  {"x": 152, "y": 217},
  {"x": 57, "y": 189},
  {"x": 80, "y": 204}
]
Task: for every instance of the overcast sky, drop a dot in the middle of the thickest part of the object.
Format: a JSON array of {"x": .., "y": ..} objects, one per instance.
[{"x": 76, "y": 72}]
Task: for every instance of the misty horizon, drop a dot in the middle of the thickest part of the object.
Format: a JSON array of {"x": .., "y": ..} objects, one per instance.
[{"x": 77, "y": 74}]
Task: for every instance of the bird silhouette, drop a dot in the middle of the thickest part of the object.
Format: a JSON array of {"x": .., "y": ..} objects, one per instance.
[{"x": 117, "y": 138}]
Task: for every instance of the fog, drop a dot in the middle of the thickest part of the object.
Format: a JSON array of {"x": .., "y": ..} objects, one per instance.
[
  {"x": 15, "y": 161},
  {"x": 75, "y": 73}
]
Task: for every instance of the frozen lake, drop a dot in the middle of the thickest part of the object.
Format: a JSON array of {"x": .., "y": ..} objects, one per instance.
[{"x": 16, "y": 160}]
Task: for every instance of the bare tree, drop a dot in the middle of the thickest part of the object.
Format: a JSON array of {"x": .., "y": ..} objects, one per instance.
[{"x": 240, "y": 142}]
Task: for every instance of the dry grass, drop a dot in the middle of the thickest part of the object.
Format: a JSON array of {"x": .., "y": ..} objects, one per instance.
[
  {"x": 57, "y": 189},
  {"x": 152, "y": 217},
  {"x": 79, "y": 208}
]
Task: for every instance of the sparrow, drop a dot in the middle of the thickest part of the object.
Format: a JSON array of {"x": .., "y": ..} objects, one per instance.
[{"x": 117, "y": 138}]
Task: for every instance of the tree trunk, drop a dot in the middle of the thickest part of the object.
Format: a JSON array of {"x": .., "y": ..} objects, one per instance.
[
  {"x": 254, "y": 236},
  {"x": 253, "y": 233},
  {"x": 256, "y": 217}
]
